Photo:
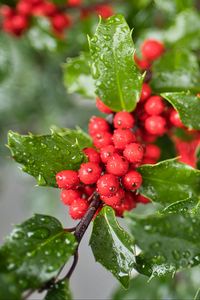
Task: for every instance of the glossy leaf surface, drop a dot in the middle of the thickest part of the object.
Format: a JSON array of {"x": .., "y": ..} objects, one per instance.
[
  {"x": 117, "y": 80},
  {"x": 112, "y": 246}
]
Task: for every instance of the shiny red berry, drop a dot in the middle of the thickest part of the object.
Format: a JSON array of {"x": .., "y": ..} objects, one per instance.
[
  {"x": 146, "y": 92},
  {"x": 89, "y": 172},
  {"x": 78, "y": 208},
  {"x": 122, "y": 137},
  {"x": 123, "y": 120},
  {"x": 60, "y": 22},
  {"x": 104, "y": 10},
  {"x": 155, "y": 125},
  {"x": 97, "y": 124},
  {"x": 117, "y": 165},
  {"x": 68, "y": 196},
  {"x": 102, "y": 139},
  {"x": 132, "y": 180},
  {"x": 142, "y": 199},
  {"x": 143, "y": 64},
  {"x": 24, "y": 8},
  {"x": 106, "y": 152},
  {"x": 67, "y": 179},
  {"x": 92, "y": 155},
  {"x": 115, "y": 199},
  {"x": 102, "y": 107},
  {"x": 175, "y": 119},
  {"x": 89, "y": 189},
  {"x": 127, "y": 204},
  {"x": 152, "y": 151},
  {"x": 152, "y": 49},
  {"x": 134, "y": 152},
  {"x": 154, "y": 105},
  {"x": 74, "y": 2},
  {"x": 107, "y": 185}
]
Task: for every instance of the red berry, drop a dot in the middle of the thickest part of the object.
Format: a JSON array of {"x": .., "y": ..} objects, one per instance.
[
  {"x": 74, "y": 2},
  {"x": 122, "y": 137},
  {"x": 114, "y": 200},
  {"x": 107, "y": 185},
  {"x": 117, "y": 165},
  {"x": 89, "y": 189},
  {"x": 132, "y": 180},
  {"x": 154, "y": 105},
  {"x": 68, "y": 196},
  {"x": 89, "y": 172},
  {"x": 6, "y": 11},
  {"x": 49, "y": 9},
  {"x": 106, "y": 152},
  {"x": 134, "y": 152},
  {"x": 155, "y": 125},
  {"x": 102, "y": 107},
  {"x": 149, "y": 161},
  {"x": 105, "y": 11},
  {"x": 97, "y": 124},
  {"x": 152, "y": 49},
  {"x": 143, "y": 64},
  {"x": 24, "y": 8},
  {"x": 127, "y": 203},
  {"x": 175, "y": 119},
  {"x": 102, "y": 139},
  {"x": 146, "y": 92},
  {"x": 152, "y": 151},
  {"x": 60, "y": 22},
  {"x": 142, "y": 199},
  {"x": 19, "y": 23},
  {"x": 78, "y": 208},
  {"x": 123, "y": 120},
  {"x": 92, "y": 155},
  {"x": 67, "y": 179}
]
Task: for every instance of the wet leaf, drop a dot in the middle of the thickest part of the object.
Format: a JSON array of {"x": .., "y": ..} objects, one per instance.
[
  {"x": 168, "y": 242},
  {"x": 177, "y": 70},
  {"x": 169, "y": 181},
  {"x": 166, "y": 146},
  {"x": 198, "y": 157},
  {"x": 188, "y": 107},
  {"x": 9, "y": 287},
  {"x": 36, "y": 250},
  {"x": 185, "y": 32},
  {"x": 117, "y": 79},
  {"x": 43, "y": 156},
  {"x": 182, "y": 286},
  {"x": 59, "y": 291},
  {"x": 112, "y": 246},
  {"x": 77, "y": 76}
]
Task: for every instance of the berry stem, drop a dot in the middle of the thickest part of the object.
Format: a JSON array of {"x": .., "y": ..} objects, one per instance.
[
  {"x": 85, "y": 221},
  {"x": 73, "y": 266}
]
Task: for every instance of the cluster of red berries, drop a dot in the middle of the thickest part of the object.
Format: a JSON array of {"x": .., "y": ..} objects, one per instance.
[
  {"x": 17, "y": 20},
  {"x": 122, "y": 142}
]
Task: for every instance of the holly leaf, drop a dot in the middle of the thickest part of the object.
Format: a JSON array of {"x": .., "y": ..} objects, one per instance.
[
  {"x": 177, "y": 70},
  {"x": 168, "y": 242},
  {"x": 159, "y": 288},
  {"x": 166, "y": 146},
  {"x": 36, "y": 250},
  {"x": 188, "y": 107},
  {"x": 59, "y": 291},
  {"x": 43, "y": 156},
  {"x": 169, "y": 181},
  {"x": 117, "y": 79},
  {"x": 9, "y": 288},
  {"x": 181, "y": 33},
  {"x": 77, "y": 76},
  {"x": 112, "y": 246},
  {"x": 198, "y": 157}
]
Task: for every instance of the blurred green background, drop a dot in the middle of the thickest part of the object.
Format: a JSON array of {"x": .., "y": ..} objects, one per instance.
[{"x": 33, "y": 97}]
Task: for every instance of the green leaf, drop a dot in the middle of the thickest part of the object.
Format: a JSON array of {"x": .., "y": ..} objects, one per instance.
[
  {"x": 43, "y": 156},
  {"x": 36, "y": 250},
  {"x": 9, "y": 288},
  {"x": 169, "y": 181},
  {"x": 77, "y": 76},
  {"x": 112, "y": 246},
  {"x": 198, "y": 157},
  {"x": 166, "y": 146},
  {"x": 60, "y": 291},
  {"x": 117, "y": 79},
  {"x": 182, "y": 287},
  {"x": 188, "y": 107},
  {"x": 185, "y": 32},
  {"x": 168, "y": 242},
  {"x": 177, "y": 70}
]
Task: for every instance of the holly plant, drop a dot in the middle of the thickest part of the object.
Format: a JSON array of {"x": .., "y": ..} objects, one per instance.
[{"x": 143, "y": 153}]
